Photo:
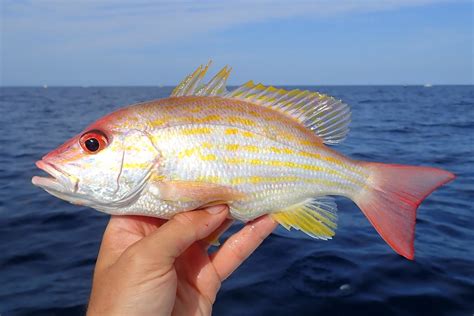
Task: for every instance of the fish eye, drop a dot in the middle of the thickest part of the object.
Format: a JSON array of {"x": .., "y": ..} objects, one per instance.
[{"x": 93, "y": 141}]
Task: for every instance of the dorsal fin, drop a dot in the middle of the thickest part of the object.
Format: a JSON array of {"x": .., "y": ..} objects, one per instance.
[
  {"x": 217, "y": 85},
  {"x": 328, "y": 117},
  {"x": 191, "y": 84}
]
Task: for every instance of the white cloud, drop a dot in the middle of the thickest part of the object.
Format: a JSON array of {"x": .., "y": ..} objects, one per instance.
[
  {"x": 54, "y": 40},
  {"x": 109, "y": 23}
]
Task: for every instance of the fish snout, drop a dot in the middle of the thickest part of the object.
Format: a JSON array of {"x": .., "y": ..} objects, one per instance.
[{"x": 57, "y": 180}]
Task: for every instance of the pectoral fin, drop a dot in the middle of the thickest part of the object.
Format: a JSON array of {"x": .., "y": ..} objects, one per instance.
[{"x": 207, "y": 193}]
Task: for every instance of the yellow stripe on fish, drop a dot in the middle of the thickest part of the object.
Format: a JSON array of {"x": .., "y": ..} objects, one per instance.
[
  {"x": 283, "y": 179},
  {"x": 233, "y": 147},
  {"x": 196, "y": 131},
  {"x": 261, "y": 150}
]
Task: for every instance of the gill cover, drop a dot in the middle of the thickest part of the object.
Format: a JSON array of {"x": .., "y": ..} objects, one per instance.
[{"x": 138, "y": 158}]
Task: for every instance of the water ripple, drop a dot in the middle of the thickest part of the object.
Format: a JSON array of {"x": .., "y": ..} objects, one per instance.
[{"x": 49, "y": 247}]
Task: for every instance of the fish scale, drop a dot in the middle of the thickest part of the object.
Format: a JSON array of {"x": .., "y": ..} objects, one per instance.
[
  {"x": 261, "y": 150},
  {"x": 262, "y": 164}
]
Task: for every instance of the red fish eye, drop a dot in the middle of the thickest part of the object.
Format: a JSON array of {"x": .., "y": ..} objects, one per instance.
[{"x": 93, "y": 141}]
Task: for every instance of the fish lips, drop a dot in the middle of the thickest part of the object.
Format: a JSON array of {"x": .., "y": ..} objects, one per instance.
[{"x": 59, "y": 181}]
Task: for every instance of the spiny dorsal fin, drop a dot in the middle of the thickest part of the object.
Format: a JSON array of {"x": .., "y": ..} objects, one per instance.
[
  {"x": 328, "y": 117},
  {"x": 217, "y": 85},
  {"x": 316, "y": 217},
  {"x": 191, "y": 84}
]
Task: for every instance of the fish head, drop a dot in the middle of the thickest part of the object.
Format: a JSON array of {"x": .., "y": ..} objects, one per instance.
[{"x": 105, "y": 167}]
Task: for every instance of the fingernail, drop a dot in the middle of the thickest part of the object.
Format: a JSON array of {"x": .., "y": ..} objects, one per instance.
[{"x": 216, "y": 209}]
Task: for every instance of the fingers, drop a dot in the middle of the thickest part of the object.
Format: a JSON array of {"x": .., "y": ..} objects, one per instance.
[
  {"x": 121, "y": 233},
  {"x": 213, "y": 238},
  {"x": 240, "y": 245},
  {"x": 163, "y": 246}
]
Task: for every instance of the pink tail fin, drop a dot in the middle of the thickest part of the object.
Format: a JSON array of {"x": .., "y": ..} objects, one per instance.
[{"x": 391, "y": 198}]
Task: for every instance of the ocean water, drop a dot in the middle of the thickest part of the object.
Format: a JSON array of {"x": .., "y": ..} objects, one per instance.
[{"x": 48, "y": 247}]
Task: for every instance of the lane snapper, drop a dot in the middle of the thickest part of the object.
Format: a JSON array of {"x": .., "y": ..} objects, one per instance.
[{"x": 259, "y": 149}]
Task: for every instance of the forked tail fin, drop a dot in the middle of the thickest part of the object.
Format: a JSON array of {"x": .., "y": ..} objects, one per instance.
[{"x": 391, "y": 197}]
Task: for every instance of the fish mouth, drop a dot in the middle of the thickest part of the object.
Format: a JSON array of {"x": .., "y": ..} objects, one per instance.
[
  {"x": 58, "y": 180},
  {"x": 60, "y": 184},
  {"x": 66, "y": 187}
]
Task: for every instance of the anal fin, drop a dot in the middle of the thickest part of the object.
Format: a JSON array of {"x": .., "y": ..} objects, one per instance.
[{"x": 315, "y": 217}]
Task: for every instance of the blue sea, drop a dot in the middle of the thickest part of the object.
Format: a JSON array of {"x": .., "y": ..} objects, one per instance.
[{"x": 48, "y": 247}]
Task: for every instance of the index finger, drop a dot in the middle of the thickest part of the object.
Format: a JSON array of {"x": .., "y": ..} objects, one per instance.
[
  {"x": 122, "y": 232},
  {"x": 163, "y": 246},
  {"x": 239, "y": 246}
]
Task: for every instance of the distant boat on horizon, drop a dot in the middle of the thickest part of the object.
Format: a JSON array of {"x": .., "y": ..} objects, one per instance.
[
  {"x": 45, "y": 86},
  {"x": 427, "y": 85}
]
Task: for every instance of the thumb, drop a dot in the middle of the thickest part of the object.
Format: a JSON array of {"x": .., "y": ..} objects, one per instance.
[{"x": 178, "y": 234}]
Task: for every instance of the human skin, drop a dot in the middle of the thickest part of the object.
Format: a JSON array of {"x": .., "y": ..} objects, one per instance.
[{"x": 150, "y": 266}]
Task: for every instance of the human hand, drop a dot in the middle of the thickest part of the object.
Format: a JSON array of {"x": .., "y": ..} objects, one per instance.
[{"x": 150, "y": 266}]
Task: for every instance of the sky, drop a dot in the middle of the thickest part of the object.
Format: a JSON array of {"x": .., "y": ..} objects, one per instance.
[{"x": 319, "y": 42}]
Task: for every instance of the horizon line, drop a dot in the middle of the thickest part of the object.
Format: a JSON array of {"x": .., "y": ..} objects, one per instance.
[{"x": 45, "y": 86}]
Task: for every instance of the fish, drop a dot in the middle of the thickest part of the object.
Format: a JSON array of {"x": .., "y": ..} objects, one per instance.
[{"x": 259, "y": 149}]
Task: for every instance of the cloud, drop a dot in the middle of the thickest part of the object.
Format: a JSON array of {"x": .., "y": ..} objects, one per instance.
[
  {"x": 100, "y": 41},
  {"x": 108, "y": 24}
]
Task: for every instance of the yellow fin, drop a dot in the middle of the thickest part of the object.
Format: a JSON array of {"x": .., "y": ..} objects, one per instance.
[
  {"x": 217, "y": 85},
  {"x": 191, "y": 85},
  {"x": 326, "y": 116},
  {"x": 213, "y": 240},
  {"x": 316, "y": 217}
]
